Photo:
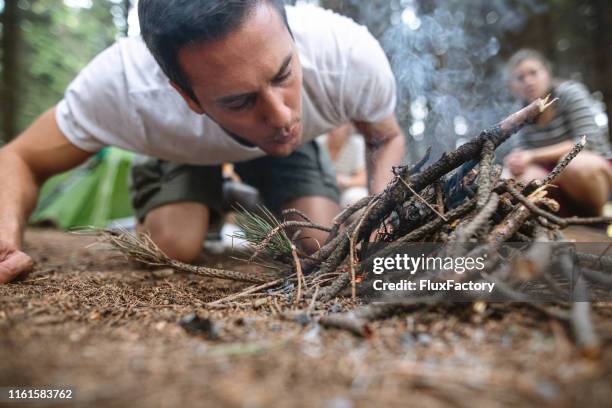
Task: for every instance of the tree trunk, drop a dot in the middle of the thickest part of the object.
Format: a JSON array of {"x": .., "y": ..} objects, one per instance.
[
  {"x": 9, "y": 86},
  {"x": 127, "y": 5}
]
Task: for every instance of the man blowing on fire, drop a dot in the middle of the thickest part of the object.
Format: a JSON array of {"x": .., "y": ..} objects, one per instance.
[{"x": 244, "y": 81}]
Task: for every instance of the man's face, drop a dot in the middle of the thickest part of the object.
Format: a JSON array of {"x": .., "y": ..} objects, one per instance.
[
  {"x": 250, "y": 82},
  {"x": 530, "y": 80}
]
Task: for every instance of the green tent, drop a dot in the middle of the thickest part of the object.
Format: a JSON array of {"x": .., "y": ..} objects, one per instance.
[{"x": 93, "y": 194}]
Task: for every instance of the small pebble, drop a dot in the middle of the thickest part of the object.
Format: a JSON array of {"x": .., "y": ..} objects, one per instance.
[
  {"x": 547, "y": 389},
  {"x": 95, "y": 316},
  {"x": 339, "y": 402},
  {"x": 424, "y": 339},
  {"x": 336, "y": 308},
  {"x": 194, "y": 324},
  {"x": 302, "y": 318},
  {"x": 407, "y": 340},
  {"x": 506, "y": 341}
]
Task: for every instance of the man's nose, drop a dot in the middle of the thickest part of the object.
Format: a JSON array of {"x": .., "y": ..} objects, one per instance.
[
  {"x": 530, "y": 80},
  {"x": 275, "y": 111}
]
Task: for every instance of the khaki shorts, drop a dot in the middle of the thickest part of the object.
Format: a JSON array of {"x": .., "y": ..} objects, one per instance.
[{"x": 306, "y": 172}]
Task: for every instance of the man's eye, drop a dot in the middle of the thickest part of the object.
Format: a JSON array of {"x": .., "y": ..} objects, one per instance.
[
  {"x": 241, "y": 104},
  {"x": 283, "y": 77}
]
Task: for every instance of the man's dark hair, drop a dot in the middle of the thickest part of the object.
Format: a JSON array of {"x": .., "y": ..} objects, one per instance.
[
  {"x": 526, "y": 54},
  {"x": 169, "y": 25}
]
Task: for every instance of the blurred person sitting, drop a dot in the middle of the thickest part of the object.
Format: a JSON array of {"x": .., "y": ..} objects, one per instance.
[
  {"x": 584, "y": 186},
  {"x": 347, "y": 152}
]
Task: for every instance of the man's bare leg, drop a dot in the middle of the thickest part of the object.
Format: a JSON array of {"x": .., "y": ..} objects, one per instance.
[
  {"x": 179, "y": 229},
  {"x": 321, "y": 210},
  {"x": 587, "y": 180}
]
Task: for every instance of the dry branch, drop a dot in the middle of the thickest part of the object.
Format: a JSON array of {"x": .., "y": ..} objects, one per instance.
[
  {"x": 458, "y": 198},
  {"x": 141, "y": 248}
]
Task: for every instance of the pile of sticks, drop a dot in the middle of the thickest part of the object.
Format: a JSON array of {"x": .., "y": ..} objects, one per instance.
[{"x": 460, "y": 198}]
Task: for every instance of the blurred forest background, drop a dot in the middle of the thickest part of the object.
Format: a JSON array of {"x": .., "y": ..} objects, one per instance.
[{"x": 44, "y": 43}]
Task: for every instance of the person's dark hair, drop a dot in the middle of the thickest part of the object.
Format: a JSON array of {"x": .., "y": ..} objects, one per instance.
[
  {"x": 523, "y": 55},
  {"x": 168, "y": 25}
]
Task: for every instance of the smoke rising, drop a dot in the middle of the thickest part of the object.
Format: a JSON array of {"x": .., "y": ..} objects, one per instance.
[{"x": 446, "y": 58}]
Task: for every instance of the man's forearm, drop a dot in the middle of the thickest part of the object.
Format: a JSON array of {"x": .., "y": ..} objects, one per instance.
[
  {"x": 38, "y": 153},
  {"x": 550, "y": 154},
  {"x": 381, "y": 160},
  {"x": 19, "y": 192}
]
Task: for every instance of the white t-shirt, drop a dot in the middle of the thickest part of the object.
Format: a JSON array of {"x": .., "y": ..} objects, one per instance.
[{"x": 123, "y": 99}]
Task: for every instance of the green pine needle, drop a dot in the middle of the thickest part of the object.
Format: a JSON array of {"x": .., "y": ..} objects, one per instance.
[{"x": 254, "y": 228}]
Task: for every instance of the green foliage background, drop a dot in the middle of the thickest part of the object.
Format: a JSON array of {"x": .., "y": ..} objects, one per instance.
[
  {"x": 55, "y": 42},
  {"x": 58, "y": 42}
]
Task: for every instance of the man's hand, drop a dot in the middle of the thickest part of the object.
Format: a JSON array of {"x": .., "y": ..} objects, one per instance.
[
  {"x": 13, "y": 263},
  {"x": 38, "y": 153},
  {"x": 518, "y": 160}
]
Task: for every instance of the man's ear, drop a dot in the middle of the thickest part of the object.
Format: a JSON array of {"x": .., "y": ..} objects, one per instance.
[{"x": 193, "y": 105}]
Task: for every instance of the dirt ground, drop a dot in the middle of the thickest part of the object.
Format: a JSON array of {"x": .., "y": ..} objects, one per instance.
[{"x": 90, "y": 320}]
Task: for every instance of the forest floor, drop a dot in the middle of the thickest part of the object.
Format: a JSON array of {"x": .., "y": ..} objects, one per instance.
[{"x": 92, "y": 321}]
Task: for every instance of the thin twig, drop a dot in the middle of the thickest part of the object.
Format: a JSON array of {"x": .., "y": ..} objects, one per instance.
[
  {"x": 439, "y": 196},
  {"x": 294, "y": 211},
  {"x": 485, "y": 184},
  {"x": 342, "y": 280},
  {"x": 141, "y": 248},
  {"x": 422, "y": 199},
  {"x": 352, "y": 266},
  {"x": 599, "y": 278},
  {"x": 587, "y": 220},
  {"x": 513, "y": 221},
  {"x": 465, "y": 233},
  {"x": 533, "y": 208},
  {"x": 300, "y": 275},
  {"x": 313, "y": 301},
  {"x": 565, "y": 161},
  {"x": 248, "y": 291},
  {"x": 345, "y": 215},
  {"x": 260, "y": 247}
]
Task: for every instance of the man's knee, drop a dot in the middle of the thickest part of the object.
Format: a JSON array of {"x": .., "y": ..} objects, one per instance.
[
  {"x": 321, "y": 210},
  {"x": 173, "y": 242},
  {"x": 587, "y": 170},
  {"x": 586, "y": 179},
  {"x": 178, "y": 229},
  {"x": 311, "y": 240}
]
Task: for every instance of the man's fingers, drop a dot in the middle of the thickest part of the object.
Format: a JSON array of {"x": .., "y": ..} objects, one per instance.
[{"x": 14, "y": 265}]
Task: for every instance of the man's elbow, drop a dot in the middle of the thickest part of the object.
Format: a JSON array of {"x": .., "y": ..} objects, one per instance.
[{"x": 15, "y": 166}]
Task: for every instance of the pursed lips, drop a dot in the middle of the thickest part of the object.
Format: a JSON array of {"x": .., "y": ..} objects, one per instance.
[{"x": 285, "y": 136}]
